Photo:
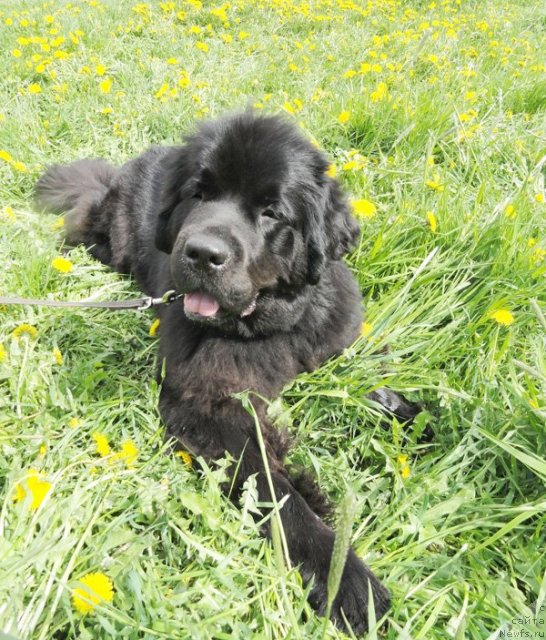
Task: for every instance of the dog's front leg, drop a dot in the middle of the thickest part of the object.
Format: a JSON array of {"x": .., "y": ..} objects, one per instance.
[{"x": 310, "y": 541}]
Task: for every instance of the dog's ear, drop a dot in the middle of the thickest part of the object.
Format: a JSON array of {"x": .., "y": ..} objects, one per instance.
[
  {"x": 176, "y": 170},
  {"x": 342, "y": 229},
  {"x": 332, "y": 231}
]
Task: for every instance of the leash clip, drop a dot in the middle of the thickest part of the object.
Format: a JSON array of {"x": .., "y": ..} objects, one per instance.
[{"x": 166, "y": 298}]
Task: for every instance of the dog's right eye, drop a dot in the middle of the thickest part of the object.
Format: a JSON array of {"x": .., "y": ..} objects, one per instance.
[
  {"x": 269, "y": 213},
  {"x": 197, "y": 195}
]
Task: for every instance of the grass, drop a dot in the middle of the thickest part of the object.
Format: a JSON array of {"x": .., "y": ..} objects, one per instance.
[{"x": 451, "y": 152}]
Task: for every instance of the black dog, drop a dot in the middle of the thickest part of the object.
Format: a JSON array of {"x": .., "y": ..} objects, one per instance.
[{"x": 244, "y": 221}]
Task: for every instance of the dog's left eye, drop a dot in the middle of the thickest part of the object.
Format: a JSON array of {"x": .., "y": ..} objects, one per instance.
[{"x": 269, "y": 213}]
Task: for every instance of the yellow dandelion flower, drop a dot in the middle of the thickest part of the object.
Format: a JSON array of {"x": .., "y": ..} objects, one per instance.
[
  {"x": 185, "y": 457},
  {"x": 58, "y": 224},
  {"x": 96, "y": 588},
  {"x": 349, "y": 166},
  {"x": 101, "y": 443},
  {"x": 366, "y": 329},
  {"x": 106, "y": 85},
  {"x": 63, "y": 265},
  {"x": 344, "y": 117},
  {"x": 183, "y": 80},
  {"x": 539, "y": 197},
  {"x": 350, "y": 73},
  {"x": 431, "y": 219},
  {"x": 243, "y": 35},
  {"x": 288, "y": 107},
  {"x": 364, "y": 208},
  {"x": 202, "y": 46},
  {"x": 34, "y": 88},
  {"x": 100, "y": 69},
  {"x": 220, "y": 12},
  {"x": 8, "y": 213},
  {"x": 510, "y": 211},
  {"x": 331, "y": 171},
  {"x": 16, "y": 53},
  {"x": 538, "y": 255},
  {"x": 43, "y": 450},
  {"x": 19, "y": 166},
  {"x": 435, "y": 184},
  {"x": 25, "y": 330},
  {"x": 298, "y": 104},
  {"x": 468, "y": 116},
  {"x": 404, "y": 466},
  {"x": 503, "y": 317},
  {"x": 163, "y": 89},
  {"x": 5, "y": 156},
  {"x": 128, "y": 453},
  {"x": 3, "y": 353},
  {"x": 154, "y": 327},
  {"x": 380, "y": 93},
  {"x": 58, "y": 356},
  {"x": 34, "y": 486}
]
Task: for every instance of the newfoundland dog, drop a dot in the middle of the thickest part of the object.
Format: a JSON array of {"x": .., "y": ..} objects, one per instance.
[{"x": 243, "y": 220}]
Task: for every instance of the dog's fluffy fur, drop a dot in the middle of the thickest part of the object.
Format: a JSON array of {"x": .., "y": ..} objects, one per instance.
[{"x": 243, "y": 219}]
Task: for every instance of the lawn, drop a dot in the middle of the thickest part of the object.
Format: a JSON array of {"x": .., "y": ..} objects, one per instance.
[{"x": 433, "y": 114}]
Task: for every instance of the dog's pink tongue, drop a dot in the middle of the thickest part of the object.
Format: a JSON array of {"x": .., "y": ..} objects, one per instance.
[{"x": 201, "y": 303}]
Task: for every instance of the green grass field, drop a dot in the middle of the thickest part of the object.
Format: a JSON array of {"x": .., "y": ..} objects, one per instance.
[{"x": 434, "y": 116}]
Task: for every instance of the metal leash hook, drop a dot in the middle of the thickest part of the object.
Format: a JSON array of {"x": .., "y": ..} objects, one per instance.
[{"x": 166, "y": 298}]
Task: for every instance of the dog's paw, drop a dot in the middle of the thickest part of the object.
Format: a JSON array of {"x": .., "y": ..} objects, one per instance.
[{"x": 352, "y": 600}]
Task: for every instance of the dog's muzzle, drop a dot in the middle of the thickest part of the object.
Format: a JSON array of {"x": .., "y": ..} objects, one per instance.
[
  {"x": 208, "y": 270},
  {"x": 206, "y": 252}
]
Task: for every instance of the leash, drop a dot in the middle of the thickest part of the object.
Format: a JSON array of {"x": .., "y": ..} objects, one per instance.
[{"x": 139, "y": 304}]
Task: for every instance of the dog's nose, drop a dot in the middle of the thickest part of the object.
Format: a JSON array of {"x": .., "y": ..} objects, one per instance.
[{"x": 206, "y": 251}]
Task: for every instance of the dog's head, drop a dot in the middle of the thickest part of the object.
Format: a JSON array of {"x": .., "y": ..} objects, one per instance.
[{"x": 248, "y": 213}]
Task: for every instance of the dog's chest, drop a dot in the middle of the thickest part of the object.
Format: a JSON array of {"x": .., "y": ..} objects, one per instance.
[{"x": 218, "y": 368}]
